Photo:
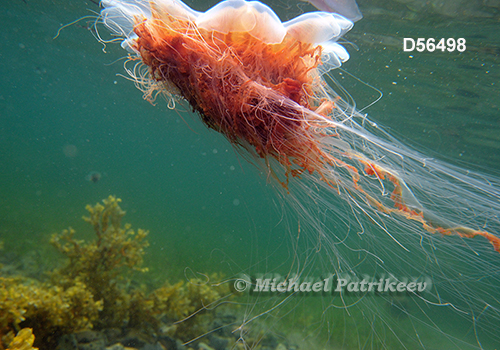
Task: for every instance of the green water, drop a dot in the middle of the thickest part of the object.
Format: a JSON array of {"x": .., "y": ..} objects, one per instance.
[{"x": 65, "y": 113}]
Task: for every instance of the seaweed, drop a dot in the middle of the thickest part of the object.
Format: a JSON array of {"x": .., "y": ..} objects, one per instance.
[
  {"x": 100, "y": 264},
  {"x": 93, "y": 290},
  {"x": 50, "y": 310},
  {"x": 186, "y": 307},
  {"x": 23, "y": 340}
]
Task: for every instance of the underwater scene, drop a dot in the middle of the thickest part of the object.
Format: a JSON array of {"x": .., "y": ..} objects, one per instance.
[{"x": 276, "y": 175}]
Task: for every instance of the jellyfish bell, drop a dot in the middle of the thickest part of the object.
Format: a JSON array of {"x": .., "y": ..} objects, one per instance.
[
  {"x": 365, "y": 201},
  {"x": 229, "y": 16},
  {"x": 250, "y": 17},
  {"x": 317, "y": 27},
  {"x": 347, "y": 8}
]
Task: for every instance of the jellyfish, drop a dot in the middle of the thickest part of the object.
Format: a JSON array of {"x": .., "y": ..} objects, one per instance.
[
  {"x": 347, "y": 8},
  {"x": 364, "y": 201}
]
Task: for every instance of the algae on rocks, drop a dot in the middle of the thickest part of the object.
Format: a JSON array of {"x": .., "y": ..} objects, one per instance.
[
  {"x": 100, "y": 264},
  {"x": 93, "y": 290}
]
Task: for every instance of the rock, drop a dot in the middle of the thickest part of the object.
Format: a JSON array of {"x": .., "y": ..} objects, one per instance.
[
  {"x": 135, "y": 339},
  {"x": 170, "y": 343},
  {"x": 281, "y": 346},
  {"x": 218, "y": 342},
  {"x": 85, "y": 340},
  {"x": 203, "y": 346},
  {"x": 90, "y": 340},
  {"x": 86, "y": 337},
  {"x": 116, "y": 346},
  {"x": 113, "y": 335},
  {"x": 67, "y": 342},
  {"x": 155, "y": 346}
]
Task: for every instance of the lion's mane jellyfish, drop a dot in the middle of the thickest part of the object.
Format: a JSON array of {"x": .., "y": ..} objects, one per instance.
[
  {"x": 258, "y": 81},
  {"x": 367, "y": 199}
]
